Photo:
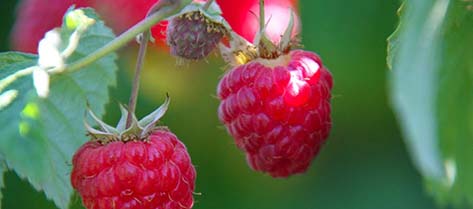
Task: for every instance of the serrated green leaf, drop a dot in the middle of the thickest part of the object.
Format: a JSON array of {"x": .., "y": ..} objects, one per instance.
[
  {"x": 39, "y": 136},
  {"x": 393, "y": 39},
  {"x": 431, "y": 54}
]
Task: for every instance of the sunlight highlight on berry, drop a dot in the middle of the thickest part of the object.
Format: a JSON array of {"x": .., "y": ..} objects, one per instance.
[{"x": 297, "y": 92}]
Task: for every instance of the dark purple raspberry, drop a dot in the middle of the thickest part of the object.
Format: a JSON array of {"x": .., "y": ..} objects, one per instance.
[{"x": 193, "y": 36}]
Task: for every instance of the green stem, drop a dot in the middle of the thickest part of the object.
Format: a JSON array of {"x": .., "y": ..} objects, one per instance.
[
  {"x": 167, "y": 7},
  {"x": 118, "y": 42},
  {"x": 261, "y": 15},
  {"x": 136, "y": 80}
]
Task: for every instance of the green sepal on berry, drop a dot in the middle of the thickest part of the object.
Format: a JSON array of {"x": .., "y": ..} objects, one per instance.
[
  {"x": 240, "y": 51},
  {"x": 270, "y": 50},
  {"x": 213, "y": 13},
  {"x": 138, "y": 129}
]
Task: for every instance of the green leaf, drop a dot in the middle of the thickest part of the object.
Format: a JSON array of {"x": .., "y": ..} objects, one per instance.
[
  {"x": 431, "y": 55},
  {"x": 3, "y": 169},
  {"x": 39, "y": 136}
]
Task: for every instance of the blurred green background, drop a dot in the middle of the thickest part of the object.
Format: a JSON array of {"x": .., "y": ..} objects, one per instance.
[{"x": 364, "y": 164}]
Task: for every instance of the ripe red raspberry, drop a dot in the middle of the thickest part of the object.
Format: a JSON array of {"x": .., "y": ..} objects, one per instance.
[
  {"x": 156, "y": 173},
  {"x": 278, "y": 110},
  {"x": 193, "y": 35},
  {"x": 135, "y": 167}
]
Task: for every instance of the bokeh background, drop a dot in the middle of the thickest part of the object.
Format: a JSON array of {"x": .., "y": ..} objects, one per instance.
[{"x": 364, "y": 164}]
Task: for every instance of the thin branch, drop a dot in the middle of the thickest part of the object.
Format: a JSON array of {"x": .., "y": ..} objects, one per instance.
[
  {"x": 261, "y": 15},
  {"x": 136, "y": 80},
  {"x": 117, "y": 43},
  {"x": 161, "y": 7}
]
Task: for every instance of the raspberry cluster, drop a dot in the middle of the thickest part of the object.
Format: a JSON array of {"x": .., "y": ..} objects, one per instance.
[{"x": 274, "y": 102}]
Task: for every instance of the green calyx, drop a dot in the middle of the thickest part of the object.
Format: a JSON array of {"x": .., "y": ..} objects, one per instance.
[
  {"x": 212, "y": 14},
  {"x": 212, "y": 25},
  {"x": 138, "y": 130},
  {"x": 241, "y": 51},
  {"x": 267, "y": 49}
]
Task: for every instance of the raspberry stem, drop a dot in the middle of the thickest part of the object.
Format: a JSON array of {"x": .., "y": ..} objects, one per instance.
[
  {"x": 261, "y": 16},
  {"x": 136, "y": 79},
  {"x": 145, "y": 36},
  {"x": 117, "y": 43}
]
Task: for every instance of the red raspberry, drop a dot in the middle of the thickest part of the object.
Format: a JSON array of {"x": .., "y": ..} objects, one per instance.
[
  {"x": 278, "y": 110},
  {"x": 149, "y": 174}
]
